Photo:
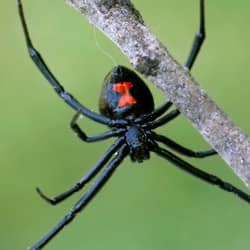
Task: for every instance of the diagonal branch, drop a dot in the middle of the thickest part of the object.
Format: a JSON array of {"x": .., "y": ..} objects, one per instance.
[{"x": 123, "y": 24}]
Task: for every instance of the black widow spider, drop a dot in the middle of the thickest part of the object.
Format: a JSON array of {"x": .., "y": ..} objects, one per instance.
[{"x": 127, "y": 108}]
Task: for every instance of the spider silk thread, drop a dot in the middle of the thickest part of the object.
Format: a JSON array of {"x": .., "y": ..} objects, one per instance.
[{"x": 107, "y": 54}]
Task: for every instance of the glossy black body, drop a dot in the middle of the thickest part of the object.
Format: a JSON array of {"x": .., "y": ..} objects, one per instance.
[
  {"x": 137, "y": 141},
  {"x": 127, "y": 109},
  {"x": 108, "y": 102},
  {"x": 135, "y": 136}
]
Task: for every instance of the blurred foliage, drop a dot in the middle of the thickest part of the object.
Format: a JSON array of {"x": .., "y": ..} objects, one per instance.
[{"x": 145, "y": 206}]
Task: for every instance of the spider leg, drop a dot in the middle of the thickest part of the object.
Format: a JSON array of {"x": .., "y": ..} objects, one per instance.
[
  {"x": 155, "y": 114},
  {"x": 199, "y": 38},
  {"x": 180, "y": 149},
  {"x": 87, "y": 197},
  {"x": 68, "y": 98},
  {"x": 211, "y": 179},
  {"x": 82, "y": 135},
  {"x": 86, "y": 178},
  {"x": 165, "y": 119},
  {"x": 196, "y": 46}
]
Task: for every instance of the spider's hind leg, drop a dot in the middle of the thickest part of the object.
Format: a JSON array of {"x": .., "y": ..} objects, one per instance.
[
  {"x": 198, "y": 39},
  {"x": 46, "y": 72},
  {"x": 35, "y": 55}
]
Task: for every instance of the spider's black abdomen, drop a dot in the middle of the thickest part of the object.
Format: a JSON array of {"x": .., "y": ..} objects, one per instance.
[
  {"x": 124, "y": 95},
  {"x": 138, "y": 143}
]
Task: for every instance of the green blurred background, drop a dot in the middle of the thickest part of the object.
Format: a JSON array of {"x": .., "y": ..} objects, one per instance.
[{"x": 145, "y": 206}]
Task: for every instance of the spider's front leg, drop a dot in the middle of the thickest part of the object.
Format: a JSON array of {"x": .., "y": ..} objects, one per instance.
[
  {"x": 200, "y": 174},
  {"x": 86, "y": 198},
  {"x": 82, "y": 135},
  {"x": 86, "y": 178}
]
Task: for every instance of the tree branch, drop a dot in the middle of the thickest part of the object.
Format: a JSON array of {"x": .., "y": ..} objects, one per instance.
[{"x": 123, "y": 24}]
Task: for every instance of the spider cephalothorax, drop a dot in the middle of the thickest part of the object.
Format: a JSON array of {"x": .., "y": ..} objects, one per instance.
[{"x": 127, "y": 109}]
